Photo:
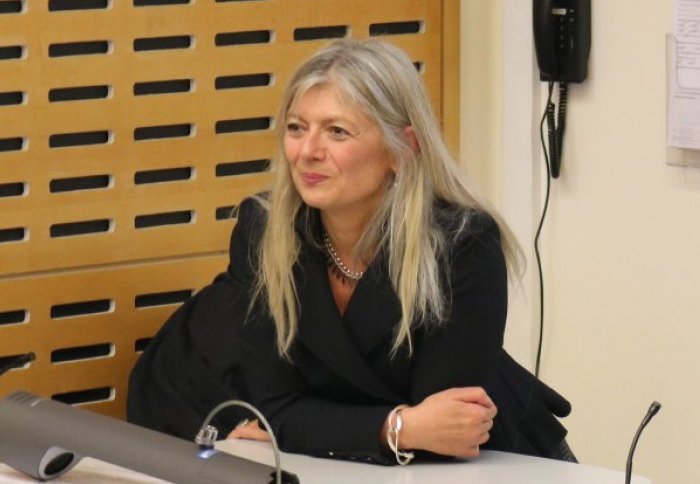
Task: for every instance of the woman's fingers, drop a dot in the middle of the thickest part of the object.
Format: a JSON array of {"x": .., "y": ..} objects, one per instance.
[
  {"x": 248, "y": 429},
  {"x": 467, "y": 395}
]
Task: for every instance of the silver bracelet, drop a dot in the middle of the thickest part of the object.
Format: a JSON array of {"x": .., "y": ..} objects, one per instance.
[{"x": 392, "y": 436}]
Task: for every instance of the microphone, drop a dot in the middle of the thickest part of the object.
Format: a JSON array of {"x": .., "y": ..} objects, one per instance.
[
  {"x": 18, "y": 361},
  {"x": 653, "y": 410},
  {"x": 44, "y": 439}
]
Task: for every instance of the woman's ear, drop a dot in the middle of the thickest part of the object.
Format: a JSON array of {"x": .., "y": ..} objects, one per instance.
[{"x": 410, "y": 135}]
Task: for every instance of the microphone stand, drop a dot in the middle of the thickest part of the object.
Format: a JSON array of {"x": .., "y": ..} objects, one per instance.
[{"x": 653, "y": 410}]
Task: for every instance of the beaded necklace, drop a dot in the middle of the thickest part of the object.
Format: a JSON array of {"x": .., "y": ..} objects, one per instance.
[{"x": 338, "y": 267}]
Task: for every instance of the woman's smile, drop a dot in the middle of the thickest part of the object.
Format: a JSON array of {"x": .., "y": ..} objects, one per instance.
[{"x": 313, "y": 178}]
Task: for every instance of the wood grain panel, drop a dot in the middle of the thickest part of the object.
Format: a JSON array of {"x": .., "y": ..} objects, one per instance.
[{"x": 122, "y": 325}]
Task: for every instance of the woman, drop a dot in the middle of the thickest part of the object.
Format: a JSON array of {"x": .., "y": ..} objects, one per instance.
[{"x": 365, "y": 302}]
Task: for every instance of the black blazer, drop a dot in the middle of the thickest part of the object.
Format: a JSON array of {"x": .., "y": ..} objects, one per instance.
[{"x": 341, "y": 383}]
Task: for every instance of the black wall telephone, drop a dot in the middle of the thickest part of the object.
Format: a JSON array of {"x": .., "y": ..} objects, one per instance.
[
  {"x": 562, "y": 39},
  {"x": 562, "y": 31}
]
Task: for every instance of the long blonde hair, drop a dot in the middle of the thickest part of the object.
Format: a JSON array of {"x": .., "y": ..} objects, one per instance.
[{"x": 381, "y": 80}]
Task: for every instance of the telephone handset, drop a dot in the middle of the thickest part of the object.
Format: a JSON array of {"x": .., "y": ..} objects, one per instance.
[{"x": 562, "y": 39}]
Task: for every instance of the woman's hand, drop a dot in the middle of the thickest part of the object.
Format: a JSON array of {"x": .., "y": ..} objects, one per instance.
[
  {"x": 249, "y": 429},
  {"x": 452, "y": 422}
]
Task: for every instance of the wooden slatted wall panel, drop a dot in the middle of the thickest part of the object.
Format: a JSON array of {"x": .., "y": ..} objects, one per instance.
[
  {"x": 88, "y": 327},
  {"x": 129, "y": 131}
]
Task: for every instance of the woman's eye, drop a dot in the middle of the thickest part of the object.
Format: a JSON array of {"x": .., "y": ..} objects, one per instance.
[
  {"x": 293, "y": 128},
  {"x": 338, "y": 132}
]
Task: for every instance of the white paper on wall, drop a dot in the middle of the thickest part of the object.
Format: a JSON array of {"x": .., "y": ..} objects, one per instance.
[{"x": 684, "y": 76}]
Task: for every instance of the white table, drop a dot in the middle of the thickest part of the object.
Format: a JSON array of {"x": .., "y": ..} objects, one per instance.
[{"x": 490, "y": 468}]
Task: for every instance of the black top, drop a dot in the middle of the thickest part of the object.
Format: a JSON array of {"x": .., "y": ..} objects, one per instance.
[{"x": 341, "y": 383}]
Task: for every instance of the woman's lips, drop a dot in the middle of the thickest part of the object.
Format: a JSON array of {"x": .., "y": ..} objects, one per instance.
[{"x": 313, "y": 178}]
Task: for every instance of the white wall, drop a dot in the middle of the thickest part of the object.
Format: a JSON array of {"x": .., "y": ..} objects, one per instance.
[
  {"x": 480, "y": 112},
  {"x": 620, "y": 245}
]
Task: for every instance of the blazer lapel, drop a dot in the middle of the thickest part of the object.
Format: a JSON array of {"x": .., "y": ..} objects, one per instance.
[
  {"x": 323, "y": 332},
  {"x": 373, "y": 311}
]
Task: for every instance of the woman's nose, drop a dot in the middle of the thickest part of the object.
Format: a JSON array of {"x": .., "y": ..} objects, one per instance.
[{"x": 312, "y": 147}]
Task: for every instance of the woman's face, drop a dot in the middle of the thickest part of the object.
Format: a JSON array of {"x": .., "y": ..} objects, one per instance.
[{"x": 336, "y": 153}]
